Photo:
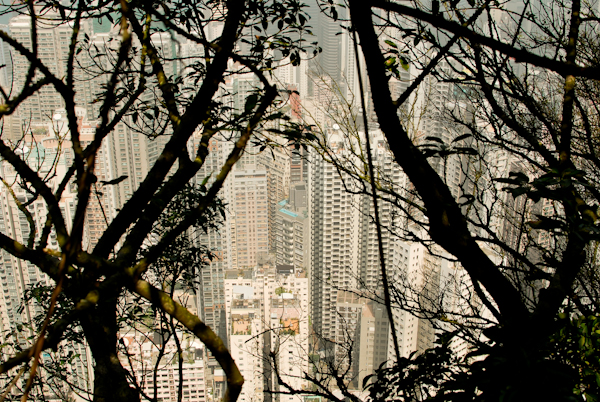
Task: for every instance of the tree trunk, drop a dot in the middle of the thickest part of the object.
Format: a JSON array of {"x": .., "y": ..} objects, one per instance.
[{"x": 110, "y": 378}]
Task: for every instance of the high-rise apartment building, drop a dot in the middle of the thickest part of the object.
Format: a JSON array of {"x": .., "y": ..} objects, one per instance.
[
  {"x": 53, "y": 40},
  {"x": 298, "y": 165},
  {"x": 246, "y": 344},
  {"x": 390, "y": 176},
  {"x": 268, "y": 326},
  {"x": 16, "y": 275},
  {"x": 276, "y": 163},
  {"x": 335, "y": 239},
  {"x": 23, "y": 218},
  {"x": 6, "y": 72},
  {"x": 154, "y": 362},
  {"x": 328, "y": 31},
  {"x": 432, "y": 284},
  {"x": 371, "y": 340},
  {"x": 292, "y": 229},
  {"x": 102, "y": 203},
  {"x": 416, "y": 268},
  {"x": 211, "y": 296},
  {"x": 290, "y": 77},
  {"x": 250, "y": 212},
  {"x": 126, "y": 153},
  {"x": 50, "y": 156}
]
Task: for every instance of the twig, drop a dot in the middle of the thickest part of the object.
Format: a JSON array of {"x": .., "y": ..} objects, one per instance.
[
  {"x": 386, "y": 287},
  {"x": 12, "y": 383}
]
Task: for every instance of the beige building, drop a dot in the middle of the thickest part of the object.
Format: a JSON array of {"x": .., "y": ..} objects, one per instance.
[
  {"x": 53, "y": 39},
  {"x": 157, "y": 373},
  {"x": 372, "y": 337},
  {"x": 211, "y": 297},
  {"x": 49, "y": 156},
  {"x": 292, "y": 229},
  {"x": 277, "y": 166},
  {"x": 250, "y": 227},
  {"x": 268, "y": 326}
]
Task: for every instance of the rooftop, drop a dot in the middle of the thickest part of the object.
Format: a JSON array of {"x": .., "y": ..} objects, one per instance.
[
  {"x": 239, "y": 304},
  {"x": 290, "y": 213},
  {"x": 237, "y": 273},
  {"x": 285, "y": 269}
]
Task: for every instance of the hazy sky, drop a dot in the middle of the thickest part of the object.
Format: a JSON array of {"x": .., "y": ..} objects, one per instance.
[{"x": 5, "y": 17}]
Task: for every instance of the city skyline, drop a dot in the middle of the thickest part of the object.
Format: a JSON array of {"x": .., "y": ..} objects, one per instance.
[
  {"x": 262, "y": 193},
  {"x": 187, "y": 207}
]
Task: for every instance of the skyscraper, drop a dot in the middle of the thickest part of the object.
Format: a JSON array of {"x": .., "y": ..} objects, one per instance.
[
  {"x": 211, "y": 297},
  {"x": 53, "y": 40},
  {"x": 292, "y": 229},
  {"x": 334, "y": 234},
  {"x": 268, "y": 326},
  {"x": 250, "y": 212}
]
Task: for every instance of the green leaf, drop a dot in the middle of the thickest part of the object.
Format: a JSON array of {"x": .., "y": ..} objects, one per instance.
[
  {"x": 436, "y": 139},
  {"x": 114, "y": 181},
  {"x": 404, "y": 63},
  {"x": 392, "y": 44},
  {"x": 545, "y": 223},
  {"x": 461, "y": 137},
  {"x": 334, "y": 13},
  {"x": 251, "y": 102},
  {"x": 466, "y": 151},
  {"x": 205, "y": 180}
]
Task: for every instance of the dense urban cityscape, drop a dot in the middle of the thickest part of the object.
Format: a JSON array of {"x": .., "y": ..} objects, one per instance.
[{"x": 291, "y": 226}]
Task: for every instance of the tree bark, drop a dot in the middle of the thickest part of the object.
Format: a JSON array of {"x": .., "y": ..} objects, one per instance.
[{"x": 110, "y": 377}]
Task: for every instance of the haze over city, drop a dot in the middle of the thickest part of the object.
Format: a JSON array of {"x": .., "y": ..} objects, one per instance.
[{"x": 274, "y": 201}]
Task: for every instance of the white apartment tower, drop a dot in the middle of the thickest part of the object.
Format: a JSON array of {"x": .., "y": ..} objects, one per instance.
[
  {"x": 150, "y": 351},
  {"x": 391, "y": 176},
  {"x": 277, "y": 165},
  {"x": 46, "y": 156},
  {"x": 17, "y": 275},
  {"x": 53, "y": 50},
  {"x": 424, "y": 277},
  {"x": 6, "y": 72},
  {"x": 267, "y": 316},
  {"x": 211, "y": 296},
  {"x": 372, "y": 338},
  {"x": 335, "y": 239},
  {"x": 244, "y": 327}
]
